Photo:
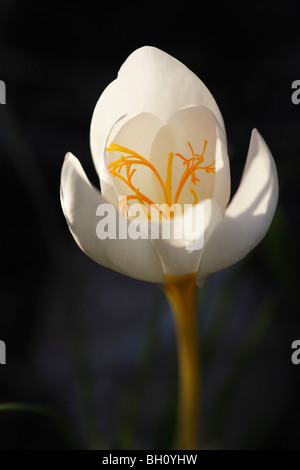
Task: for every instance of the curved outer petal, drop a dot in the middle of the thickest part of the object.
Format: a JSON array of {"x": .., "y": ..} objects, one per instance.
[
  {"x": 248, "y": 216},
  {"x": 79, "y": 199},
  {"x": 182, "y": 256},
  {"x": 149, "y": 81},
  {"x": 222, "y": 179}
]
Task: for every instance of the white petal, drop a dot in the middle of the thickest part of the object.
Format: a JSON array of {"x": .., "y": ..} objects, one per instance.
[
  {"x": 136, "y": 133},
  {"x": 248, "y": 216},
  {"x": 182, "y": 256},
  {"x": 149, "y": 81},
  {"x": 79, "y": 199},
  {"x": 222, "y": 178},
  {"x": 108, "y": 189},
  {"x": 192, "y": 126}
]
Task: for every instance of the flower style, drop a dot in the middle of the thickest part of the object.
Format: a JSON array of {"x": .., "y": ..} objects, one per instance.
[{"x": 158, "y": 139}]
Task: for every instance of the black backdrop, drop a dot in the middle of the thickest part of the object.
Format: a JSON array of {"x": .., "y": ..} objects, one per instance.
[{"x": 97, "y": 348}]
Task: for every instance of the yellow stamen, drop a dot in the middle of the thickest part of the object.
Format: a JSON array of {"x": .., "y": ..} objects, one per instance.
[
  {"x": 195, "y": 195},
  {"x": 168, "y": 183},
  {"x": 140, "y": 160},
  {"x": 133, "y": 158},
  {"x": 140, "y": 199},
  {"x": 190, "y": 171}
]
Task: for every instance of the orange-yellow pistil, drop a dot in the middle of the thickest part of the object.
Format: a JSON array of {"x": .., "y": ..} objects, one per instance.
[
  {"x": 134, "y": 159},
  {"x": 179, "y": 290}
]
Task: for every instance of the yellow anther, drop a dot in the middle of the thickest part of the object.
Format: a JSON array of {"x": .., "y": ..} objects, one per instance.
[{"x": 168, "y": 183}]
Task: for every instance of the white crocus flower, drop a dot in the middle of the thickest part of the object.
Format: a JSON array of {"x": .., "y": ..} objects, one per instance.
[
  {"x": 157, "y": 106},
  {"x": 158, "y": 137}
]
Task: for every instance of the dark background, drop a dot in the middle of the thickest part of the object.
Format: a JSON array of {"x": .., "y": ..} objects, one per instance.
[{"x": 93, "y": 350}]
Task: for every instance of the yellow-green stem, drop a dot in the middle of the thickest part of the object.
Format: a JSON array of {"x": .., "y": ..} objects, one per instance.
[{"x": 181, "y": 293}]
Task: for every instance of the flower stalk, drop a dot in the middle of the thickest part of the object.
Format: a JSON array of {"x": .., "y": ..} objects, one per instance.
[{"x": 181, "y": 294}]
